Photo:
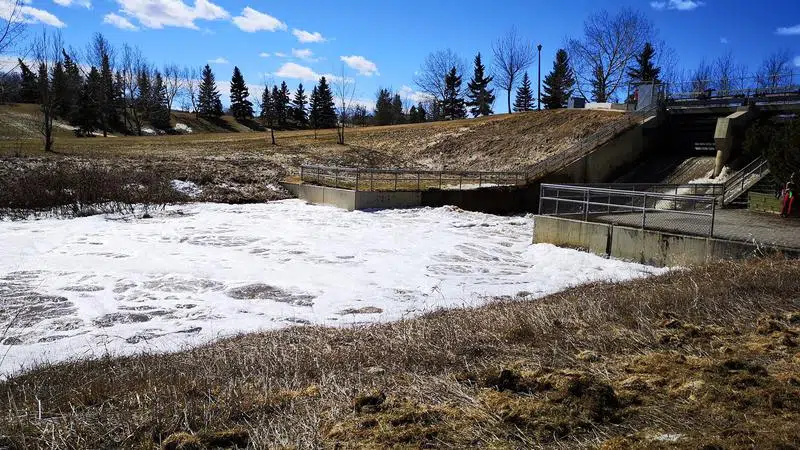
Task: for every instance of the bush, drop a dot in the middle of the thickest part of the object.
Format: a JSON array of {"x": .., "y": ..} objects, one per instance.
[
  {"x": 778, "y": 143},
  {"x": 83, "y": 190}
]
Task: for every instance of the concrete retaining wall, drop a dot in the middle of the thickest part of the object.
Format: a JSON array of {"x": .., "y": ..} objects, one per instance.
[
  {"x": 651, "y": 247},
  {"x": 385, "y": 200}
]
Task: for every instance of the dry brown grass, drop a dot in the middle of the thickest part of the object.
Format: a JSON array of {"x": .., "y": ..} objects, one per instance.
[{"x": 707, "y": 356}]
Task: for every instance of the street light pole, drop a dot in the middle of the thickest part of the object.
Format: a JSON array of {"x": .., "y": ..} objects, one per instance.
[{"x": 539, "y": 97}]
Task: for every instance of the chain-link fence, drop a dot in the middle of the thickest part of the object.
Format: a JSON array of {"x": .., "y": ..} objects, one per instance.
[{"x": 685, "y": 214}]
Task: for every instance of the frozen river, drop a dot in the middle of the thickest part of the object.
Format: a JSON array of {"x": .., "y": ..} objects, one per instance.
[{"x": 107, "y": 284}]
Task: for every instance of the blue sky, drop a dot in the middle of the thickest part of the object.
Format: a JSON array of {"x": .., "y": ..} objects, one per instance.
[{"x": 382, "y": 43}]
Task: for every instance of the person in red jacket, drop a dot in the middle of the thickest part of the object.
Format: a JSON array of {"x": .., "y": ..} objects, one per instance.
[{"x": 788, "y": 197}]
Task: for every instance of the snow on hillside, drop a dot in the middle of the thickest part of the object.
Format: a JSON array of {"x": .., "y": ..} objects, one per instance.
[{"x": 115, "y": 285}]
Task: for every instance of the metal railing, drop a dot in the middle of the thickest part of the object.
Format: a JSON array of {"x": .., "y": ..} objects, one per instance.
[
  {"x": 590, "y": 143},
  {"x": 366, "y": 179},
  {"x": 777, "y": 88},
  {"x": 695, "y": 189},
  {"x": 744, "y": 179},
  {"x": 685, "y": 214}
]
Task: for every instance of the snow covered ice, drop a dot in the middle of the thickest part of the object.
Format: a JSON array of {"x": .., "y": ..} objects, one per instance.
[{"x": 116, "y": 285}]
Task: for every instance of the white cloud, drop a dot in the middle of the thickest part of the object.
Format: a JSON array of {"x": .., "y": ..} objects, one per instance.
[
  {"x": 723, "y": 40},
  {"x": 362, "y": 65},
  {"x": 171, "y": 13},
  {"x": 252, "y": 21},
  {"x": 119, "y": 22},
  {"x": 85, "y": 3},
  {"x": 304, "y": 54},
  {"x": 296, "y": 71},
  {"x": 280, "y": 54},
  {"x": 789, "y": 31},
  {"x": 306, "y": 36},
  {"x": 680, "y": 5},
  {"x": 406, "y": 92},
  {"x": 264, "y": 55},
  {"x": 219, "y": 60},
  {"x": 30, "y": 14}
]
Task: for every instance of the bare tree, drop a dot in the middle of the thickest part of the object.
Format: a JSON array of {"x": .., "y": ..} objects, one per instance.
[
  {"x": 172, "y": 80},
  {"x": 430, "y": 77},
  {"x": 512, "y": 56},
  {"x": 47, "y": 52},
  {"x": 100, "y": 54},
  {"x": 133, "y": 64},
  {"x": 701, "y": 80},
  {"x": 775, "y": 71},
  {"x": 344, "y": 88},
  {"x": 608, "y": 45},
  {"x": 191, "y": 85},
  {"x": 12, "y": 24},
  {"x": 728, "y": 74}
]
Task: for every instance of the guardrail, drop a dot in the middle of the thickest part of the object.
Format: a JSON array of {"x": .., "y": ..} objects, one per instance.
[
  {"x": 406, "y": 179},
  {"x": 695, "y": 189},
  {"x": 685, "y": 214},
  {"x": 744, "y": 179}
]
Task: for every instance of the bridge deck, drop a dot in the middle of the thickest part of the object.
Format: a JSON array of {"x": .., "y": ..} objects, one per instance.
[{"x": 733, "y": 224}]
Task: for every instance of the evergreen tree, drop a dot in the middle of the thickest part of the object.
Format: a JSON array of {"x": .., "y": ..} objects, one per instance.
[
  {"x": 241, "y": 107},
  {"x": 108, "y": 97},
  {"x": 412, "y": 114},
  {"x": 524, "y": 101},
  {"x": 160, "y": 114},
  {"x": 208, "y": 102},
  {"x": 435, "y": 111},
  {"x": 383, "y": 107},
  {"x": 299, "y": 107},
  {"x": 397, "y": 110},
  {"x": 268, "y": 111},
  {"x": 29, "y": 91},
  {"x": 314, "y": 110},
  {"x": 644, "y": 69},
  {"x": 87, "y": 111},
  {"x": 480, "y": 96},
  {"x": 452, "y": 102},
  {"x": 281, "y": 105},
  {"x": 559, "y": 83},
  {"x": 73, "y": 85},
  {"x": 145, "y": 100},
  {"x": 327, "y": 109},
  {"x": 421, "y": 113},
  {"x": 62, "y": 92}
]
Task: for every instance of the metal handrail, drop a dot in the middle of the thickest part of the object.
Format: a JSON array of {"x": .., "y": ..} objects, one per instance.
[
  {"x": 716, "y": 189},
  {"x": 586, "y": 194},
  {"x": 736, "y": 184}
]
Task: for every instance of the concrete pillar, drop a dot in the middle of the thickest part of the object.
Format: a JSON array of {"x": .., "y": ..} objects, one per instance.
[{"x": 725, "y": 135}]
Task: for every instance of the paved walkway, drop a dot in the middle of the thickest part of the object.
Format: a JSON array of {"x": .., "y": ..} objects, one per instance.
[{"x": 733, "y": 224}]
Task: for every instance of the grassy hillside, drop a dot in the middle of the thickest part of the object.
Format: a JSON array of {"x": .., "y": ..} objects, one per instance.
[{"x": 701, "y": 358}]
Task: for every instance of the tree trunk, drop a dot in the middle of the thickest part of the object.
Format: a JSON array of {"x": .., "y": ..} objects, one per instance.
[
  {"x": 272, "y": 132},
  {"x": 509, "y": 101}
]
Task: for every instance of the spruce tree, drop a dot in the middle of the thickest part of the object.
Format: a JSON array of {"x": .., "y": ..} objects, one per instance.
[
  {"x": 280, "y": 107},
  {"x": 383, "y": 107},
  {"x": 397, "y": 110},
  {"x": 313, "y": 110},
  {"x": 29, "y": 90},
  {"x": 327, "y": 108},
  {"x": 87, "y": 111},
  {"x": 241, "y": 107},
  {"x": 644, "y": 69},
  {"x": 559, "y": 83},
  {"x": 412, "y": 114},
  {"x": 480, "y": 96},
  {"x": 145, "y": 100},
  {"x": 299, "y": 107},
  {"x": 62, "y": 92},
  {"x": 160, "y": 114},
  {"x": 208, "y": 102},
  {"x": 421, "y": 113},
  {"x": 268, "y": 111},
  {"x": 524, "y": 100},
  {"x": 108, "y": 97},
  {"x": 452, "y": 103}
]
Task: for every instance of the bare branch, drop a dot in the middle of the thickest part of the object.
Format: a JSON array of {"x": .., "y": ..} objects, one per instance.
[
  {"x": 430, "y": 78},
  {"x": 512, "y": 56}
]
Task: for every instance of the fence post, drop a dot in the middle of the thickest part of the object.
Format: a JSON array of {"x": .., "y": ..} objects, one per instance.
[
  {"x": 358, "y": 171},
  {"x": 586, "y": 205},
  {"x": 301, "y": 174},
  {"x": 713, "y": 217},
  {"x": 371, "y": 181},
  {"x": 460, "y": 181},
  {"x": 418, "y": 187},
  {"x": 644, "y": 209},
  {"x": 336, "y": 177},
  {"x": 395, "y": 180},
  {"x": 318, "y": 174},
  {"x": 440, "y": 180},
  {"x": 480, "y": 179},
  {"x": 558, "y": 195}
]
